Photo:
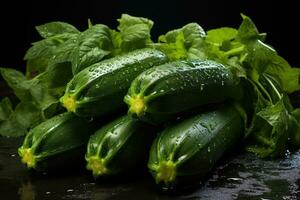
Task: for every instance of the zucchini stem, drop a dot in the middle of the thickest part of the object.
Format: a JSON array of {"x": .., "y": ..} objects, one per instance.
[
  {"x": 166, "y": 172},
  {"x": 27, "y": 157},
  {"x": 97, "y": 165},
  {"x": 137, "y": 105},
  {"x": 68, "y": 102}
]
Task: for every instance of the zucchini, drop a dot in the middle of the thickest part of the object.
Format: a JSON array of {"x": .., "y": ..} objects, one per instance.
[
  {"x": 100, "y": 88},
  {"x": 57, "y": 143},
  {"x": 187, "y": 151},
  {"x": 121, "y": 146},
  {"x": 166, "y": 91}
]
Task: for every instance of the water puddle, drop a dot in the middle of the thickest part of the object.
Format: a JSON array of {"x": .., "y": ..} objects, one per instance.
[{"x": 244, "y": 177}]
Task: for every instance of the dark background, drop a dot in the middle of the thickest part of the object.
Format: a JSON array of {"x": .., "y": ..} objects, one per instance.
[{"x": 280, "y": 19}]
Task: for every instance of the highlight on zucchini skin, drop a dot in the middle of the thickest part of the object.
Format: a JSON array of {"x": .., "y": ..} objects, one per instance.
[
  {"x": 167, "y": 91},
  {"x": 186, "y": 151},
  {"x": 99, "y": 89},
  {"x": 57, "y": 143},
  {"x": 119, "y": 147}
]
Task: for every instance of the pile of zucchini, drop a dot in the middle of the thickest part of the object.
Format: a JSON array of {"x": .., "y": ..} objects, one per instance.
[
  {"x": 157, "y": 93},
  {"x": 173, "y": 108}
]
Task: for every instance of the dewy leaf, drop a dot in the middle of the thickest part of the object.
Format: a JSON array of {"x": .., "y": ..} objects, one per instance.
[
  {"x": 55, "y": 28},
  {"x": 92, "y": 46},
  {"x": 63, "y": 53},
  {"x": 184, "y": 43},
  {"x": 45, "y": 47},
  {"x": 48, "y": 50}
]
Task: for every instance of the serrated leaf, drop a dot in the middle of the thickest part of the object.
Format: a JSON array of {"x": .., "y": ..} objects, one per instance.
[
  {"x": 92, "y": 45},
  {"x": 64, "y": 53},
  {"x": 48, "y": 51},
  {"x": 55, "y": 28},
  {"x": 183, "y": 43}
]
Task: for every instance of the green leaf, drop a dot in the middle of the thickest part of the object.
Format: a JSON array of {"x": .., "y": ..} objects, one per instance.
[
  {"x": 218, "y": 36},
  {"x": 222, "y": 46},
  {"x": 294, "y": 128},
  {"x": 5, "y": 109},
  {"x": 28, "y": 115},
  {"x": 259, "y": 55},
  {"x": 9, "y": 126},
  {"x": 57, "y": 76},
  {"x": 36, "y": 66},
  {"x": 49, "y": 49},
  {"x": 135, "y": 37},
  {"x": 92, "y": 46},
  {"x": 45, "y": 47},
  {"x": 12, "y": 128},
  {"x": 271, "y": 131},
  {"x": 248, "y": 30},
  {"x": 64, "y": 53},
  {"x": 55, "y": 28},
  {"x": 17, "y": 81},
  {"x": 288, "y": 77},
  {"x": 127, "y": 21},
  {"x": 184, "y": 43},
  {"x": 134, "y": 33},
  {"x": 39, "y": 98}
]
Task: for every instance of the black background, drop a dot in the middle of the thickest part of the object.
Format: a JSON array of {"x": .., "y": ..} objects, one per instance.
[{"x": 280, "y": 19}]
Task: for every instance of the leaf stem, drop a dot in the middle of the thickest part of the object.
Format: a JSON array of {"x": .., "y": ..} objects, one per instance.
[
  {"x": 261, "y": 87},
  {"x": 273, "y": 86},
  {"x": 235, "y": 51}
]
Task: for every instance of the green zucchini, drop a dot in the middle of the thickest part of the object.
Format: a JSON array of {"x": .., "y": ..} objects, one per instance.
[
  {"x": 100, "y": 88},
  {"x": 57, "y": 143},
  {"x": 120, "y": 146},
  {"x": 168, "y": 90},
  {"x": 186, "y": 151}
]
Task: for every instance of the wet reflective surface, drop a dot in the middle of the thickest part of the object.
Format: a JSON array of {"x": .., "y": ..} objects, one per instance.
[{"x": 241, "y": 177}]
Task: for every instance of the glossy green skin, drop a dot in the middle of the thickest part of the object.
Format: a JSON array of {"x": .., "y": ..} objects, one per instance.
[
  {"x": 176, "y": 87},
  {"x": 124, "y": 143},
  {"x": 195, "y": 144},
  {"x": 100, "y": 88},
  {"x": 59, "y": 142}
]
